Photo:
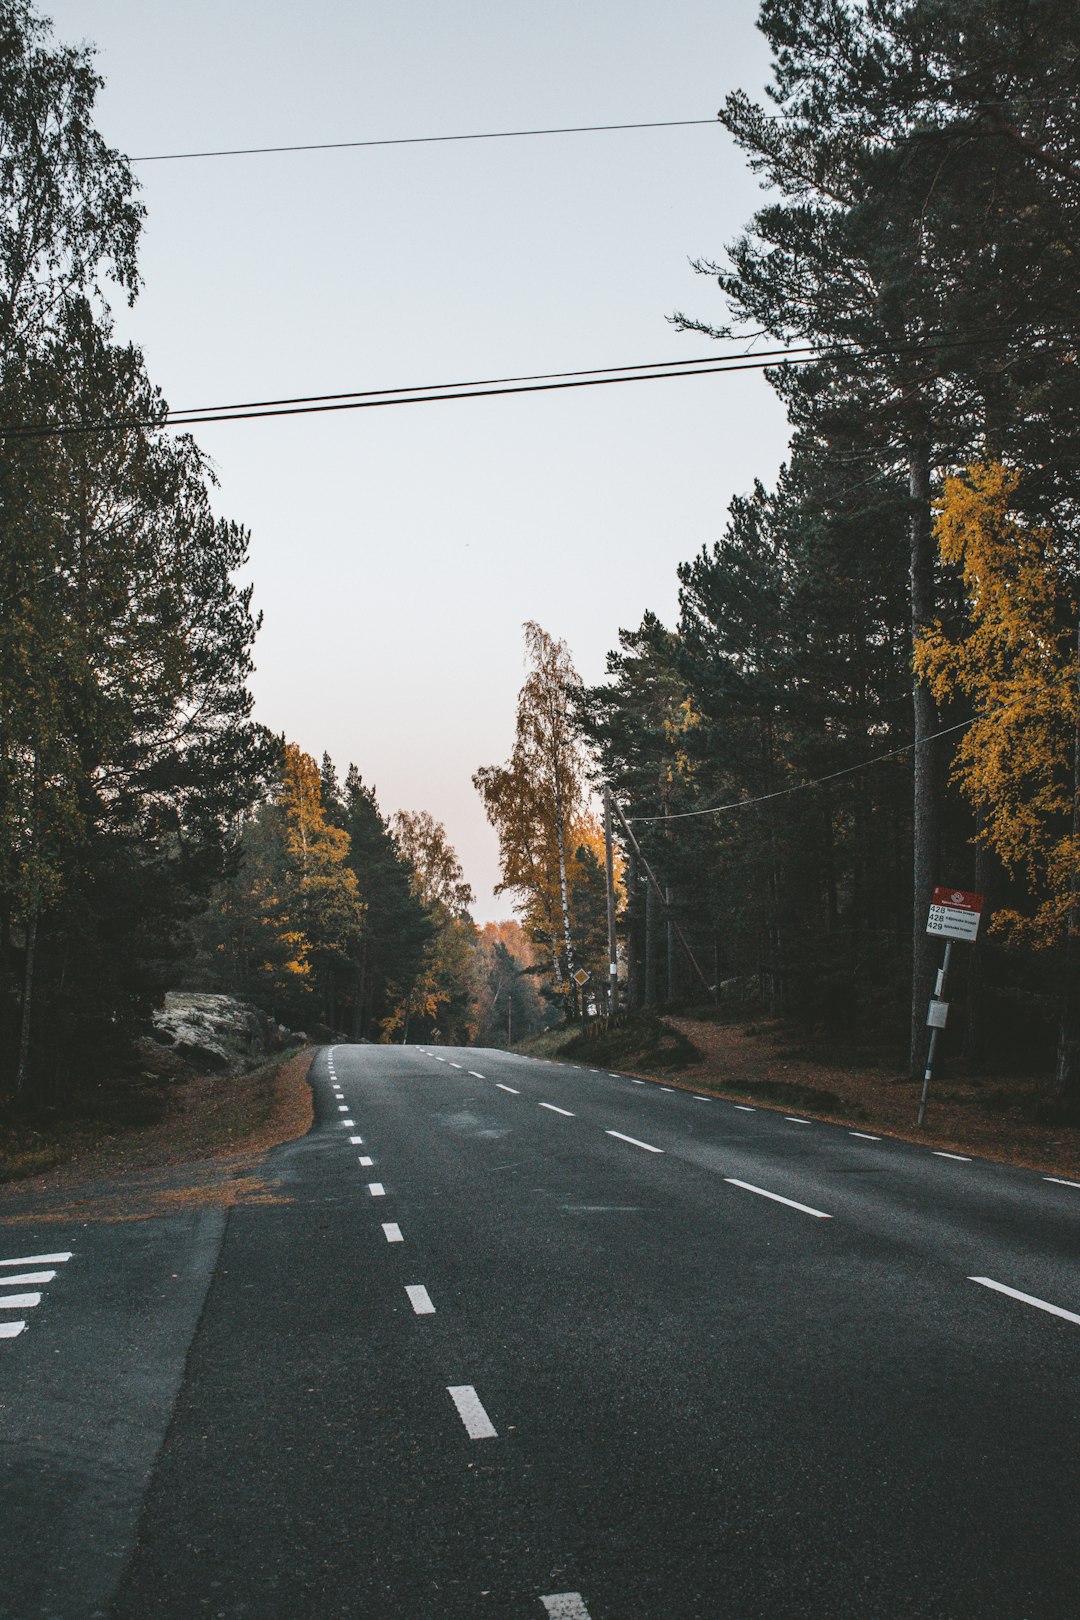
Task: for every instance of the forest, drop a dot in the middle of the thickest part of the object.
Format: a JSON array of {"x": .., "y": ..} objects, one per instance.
[
  {"x": 871, "y": 686},
  {"x": 153, "y": 835}
]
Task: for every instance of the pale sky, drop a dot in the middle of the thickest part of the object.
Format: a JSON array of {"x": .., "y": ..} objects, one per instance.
[{"x": 396, "y": 553}]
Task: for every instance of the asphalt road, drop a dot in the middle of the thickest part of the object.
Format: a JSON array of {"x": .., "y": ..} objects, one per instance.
[{"x": 566, "y": 1344}]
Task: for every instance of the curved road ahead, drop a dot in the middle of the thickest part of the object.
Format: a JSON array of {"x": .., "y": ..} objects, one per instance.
[{"x": 516, "y": 1338}]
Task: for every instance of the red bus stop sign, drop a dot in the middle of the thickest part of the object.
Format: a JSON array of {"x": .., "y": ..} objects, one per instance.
[{"x": 955, "y": 914}]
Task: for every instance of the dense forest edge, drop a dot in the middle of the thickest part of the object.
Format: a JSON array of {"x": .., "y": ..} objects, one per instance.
[{"x": 871, "y": 686}]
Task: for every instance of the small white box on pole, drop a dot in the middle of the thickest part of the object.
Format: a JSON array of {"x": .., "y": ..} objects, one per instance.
[{"x": 938, "y": 1015}]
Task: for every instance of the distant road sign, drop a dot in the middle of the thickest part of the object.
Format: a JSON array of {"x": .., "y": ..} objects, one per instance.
[
  {"x": 955, "y": 914},
  {"x": 581, "y": 978}
]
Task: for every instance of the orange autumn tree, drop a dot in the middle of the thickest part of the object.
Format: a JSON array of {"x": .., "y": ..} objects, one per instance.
[
  {"x": 308, "y": 910},
  {"x": 1018, "y": 665}
]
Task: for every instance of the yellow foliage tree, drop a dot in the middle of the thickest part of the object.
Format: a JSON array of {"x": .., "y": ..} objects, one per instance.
[{"x": 1018, "y": 665}]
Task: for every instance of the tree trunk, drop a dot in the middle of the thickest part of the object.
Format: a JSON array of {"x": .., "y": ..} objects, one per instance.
[
  {"x": 926, "y": 804},
  {"x": 1068, "y": 1058},
  {"x": 650, "y": 945},
  {"x": 974, "y": 1042},
  {"x": 672, "y": 964},
  {"x": 22, "y": 1071},
  {"x": 633, "y": 933},
  {"x": 565, "y": 898}
]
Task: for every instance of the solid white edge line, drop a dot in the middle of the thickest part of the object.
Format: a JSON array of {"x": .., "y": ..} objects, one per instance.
[
  {"x": 635, "y": 1143},
  {"x": 471, "y": 1413},
  {"x": 556, "y": 1110},
  {"x": 513, "y": 1089},
  {"x": 392, "y": 1232},
  {"x": 11, "y": 1330},
  {"x": 1026, "y": 1299},
  {"x": 865, "y": 1136},
  {"x": 420, "y": 1299},
  {"x": 1060, "y": 1183},
  {"x": 38, "y": 1259},
  {"x": 376, "y": 1189},
  {"x": 939, "y": 1153},
  {"x": 763, "y": 1192}
]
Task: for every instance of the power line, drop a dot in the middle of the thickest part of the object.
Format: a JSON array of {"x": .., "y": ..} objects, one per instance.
[
  {"x": 486, "y": 382},
  {"x": 801, "y": 787},
  {"x": 358, "y": 402},
  {"x": 420, "y": 140},
  {"x": 484, "y": 388}
]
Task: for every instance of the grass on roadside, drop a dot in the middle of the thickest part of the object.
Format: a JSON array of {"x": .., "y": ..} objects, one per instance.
[
  {"x": 641, "y": 1041},
  {"x": 153, "y": 1121}
]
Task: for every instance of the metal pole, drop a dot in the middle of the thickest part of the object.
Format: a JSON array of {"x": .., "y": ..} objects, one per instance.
[
  {"x": 935, "y": 1031},
  {"x": 653, "y": 886},
  {"x": 612, "y": 945}
]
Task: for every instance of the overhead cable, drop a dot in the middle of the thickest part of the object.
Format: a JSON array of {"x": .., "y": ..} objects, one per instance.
[
  {"x": 486, "y": 388},
  {"x": 801, "y": 787},
  {"x": 418, "y": 140}
]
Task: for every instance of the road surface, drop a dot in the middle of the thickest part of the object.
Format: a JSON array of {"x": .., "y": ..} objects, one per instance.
[{"x": 517, "y": 1338}]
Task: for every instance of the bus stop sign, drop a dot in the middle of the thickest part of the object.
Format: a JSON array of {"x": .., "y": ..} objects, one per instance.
[{"x": 955, "y": 914}]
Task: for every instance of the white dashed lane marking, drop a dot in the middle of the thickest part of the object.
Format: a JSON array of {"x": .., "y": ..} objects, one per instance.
[
  {"x": 376, "y": 1189},
  {"x": 477, "y": 1076},
  {"x": 566, "y": 1606},
  {"x": 471, "y": 1413},
  {"x": 1026, "y": 1299},
  {"x": 791, "y": 1119},
  {"x": 419, "y": 1299},
  {"x": 865, "y": 1136},
  {"x": 763, "y": 1192},
  {"x": 635, "y": 1143},
  {"x": 357, "y": 1141},
  {"x": 38, "y": 1259},
  {"x": 392, "y": 1232},
  {"x": 512, "y": 1089},
  {"x": 556, "y": 1110},
  {"x": 13, "y": 1277},
  {"x": 349, "y": 1124},
  {"x": 366, "y": 1161},
  {"x": 744, "y": 1108},
  {"x": 939, "y": 1153}
]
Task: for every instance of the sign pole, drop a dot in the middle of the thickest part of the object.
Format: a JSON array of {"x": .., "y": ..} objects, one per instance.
[
  {"x": 609, "y": 873},
  {"x": 935, "y": 1028},
  {"x": 954, "y": 914}
]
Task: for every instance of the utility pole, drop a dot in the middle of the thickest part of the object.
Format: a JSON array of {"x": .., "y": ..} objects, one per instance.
[
  {"x": 653, "y": 888},
  {"x": 612, "y": 944}
]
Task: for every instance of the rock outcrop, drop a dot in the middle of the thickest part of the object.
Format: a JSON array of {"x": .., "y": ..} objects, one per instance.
[{"x": 211, "y": 1033}]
